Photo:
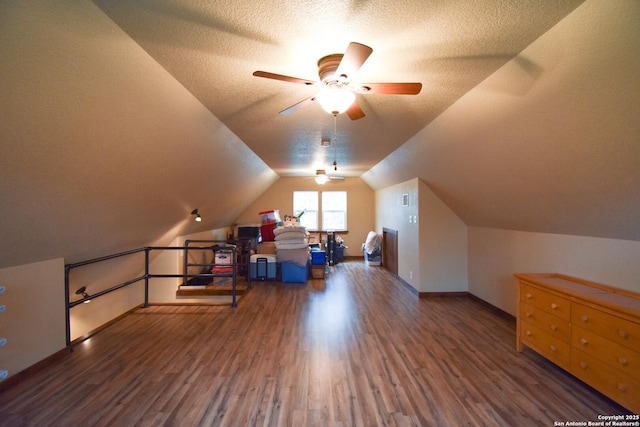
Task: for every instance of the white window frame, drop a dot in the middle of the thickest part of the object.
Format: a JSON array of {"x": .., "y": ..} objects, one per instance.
[{"x": 320, "y": 212}]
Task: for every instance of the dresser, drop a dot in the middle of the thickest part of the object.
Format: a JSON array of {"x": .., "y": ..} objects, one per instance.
[{"x": 589, "y": 329}]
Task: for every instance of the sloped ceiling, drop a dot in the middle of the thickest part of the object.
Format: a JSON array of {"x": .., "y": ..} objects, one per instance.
[
  {"x": 548, "y": 143},
  {"x": 101, "y": 149},
  {"x": 212, "y": 48},
  {"x": 119, "y": 118}
]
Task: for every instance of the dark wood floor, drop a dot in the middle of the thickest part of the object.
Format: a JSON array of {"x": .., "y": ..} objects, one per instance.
[{"x": 358, "y": 349}]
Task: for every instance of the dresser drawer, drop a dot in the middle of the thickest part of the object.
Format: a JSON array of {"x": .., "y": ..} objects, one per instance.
[
  {"x": 546, "y": 301},
  {"x": 552, "y": 348},
  {"x": 621, "y": 358},
  {"x": 621, "y": 388},
  {"x": 537, "y": 317},
  {"x": 614, "y": 328}
]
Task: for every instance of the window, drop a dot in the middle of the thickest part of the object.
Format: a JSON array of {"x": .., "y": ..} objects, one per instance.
[
  {"x": 328, "y": 206},
  {"x": 334, "y": 210},
  {"x": 306, "y": 201}
]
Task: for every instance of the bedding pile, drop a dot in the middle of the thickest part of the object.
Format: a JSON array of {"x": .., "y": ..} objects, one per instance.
[{"x": 292, "y": 244}]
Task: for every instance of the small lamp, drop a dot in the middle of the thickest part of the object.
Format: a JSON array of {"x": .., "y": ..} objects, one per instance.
[
  {"x": 198, "y": 217},
  {"x": 83, "y": 291}
]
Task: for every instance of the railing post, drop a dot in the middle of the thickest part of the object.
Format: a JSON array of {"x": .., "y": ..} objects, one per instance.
[
  {"x": 67, "y": 308},
  {"x": 146, "y": 277}
]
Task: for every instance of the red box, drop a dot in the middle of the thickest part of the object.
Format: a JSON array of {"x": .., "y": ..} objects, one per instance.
[{"x": 267, "y": 232}]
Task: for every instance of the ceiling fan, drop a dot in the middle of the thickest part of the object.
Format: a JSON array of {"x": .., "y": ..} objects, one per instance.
[
  {"x": 322, "y": 177},
  {"x": 336, "y": 72}
]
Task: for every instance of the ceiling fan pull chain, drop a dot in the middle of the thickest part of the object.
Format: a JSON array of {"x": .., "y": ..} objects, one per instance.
[{"x": 335, "y": 142}]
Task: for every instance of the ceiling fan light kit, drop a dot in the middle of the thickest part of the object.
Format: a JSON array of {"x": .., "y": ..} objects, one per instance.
[
  {"x": 335, "y": 99},
  {"x": 336, "y": 73}
]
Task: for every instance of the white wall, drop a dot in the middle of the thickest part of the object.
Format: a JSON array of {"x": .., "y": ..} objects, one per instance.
[
  {"x": 33, "y": 322},
  {"x": 443, "y": 245},
  {"x": 495, "y": 255},
  {"x": 390, "y": 213},
  {"x": 432, "y": 252}
]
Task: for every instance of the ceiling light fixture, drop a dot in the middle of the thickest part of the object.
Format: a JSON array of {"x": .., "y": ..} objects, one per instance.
[
  {"x": 198, "y": 217},
  {"x": 321, "y": 177},
  {"x": 335, "y": 99}
]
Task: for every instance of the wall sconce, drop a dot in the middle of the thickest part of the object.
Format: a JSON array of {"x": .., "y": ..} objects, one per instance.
[
  {"x": 198, "y": 217},
  {"x": 83, "y": 291}
]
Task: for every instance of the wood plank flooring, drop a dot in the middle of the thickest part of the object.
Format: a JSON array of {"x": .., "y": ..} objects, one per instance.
[{"x": 357, "y": 349}]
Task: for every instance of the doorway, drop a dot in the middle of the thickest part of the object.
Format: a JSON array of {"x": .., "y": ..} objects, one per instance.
[{"x": 390, "y": 250}]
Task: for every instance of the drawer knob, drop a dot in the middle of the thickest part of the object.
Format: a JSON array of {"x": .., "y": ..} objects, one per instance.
[
  {"x": 528, "y": 295},
  {"x": 623, "y": 361},
  {"x": 583, "y": 365},
  {"x": 623, "y": 334},
  {"x": 554, "y": 306},
  {"x": 554, "y": 328},
  {"x": 528, "y": 333},
  {"x": 584, "y": 341},
  {"x": 585, "y": 318},
  {"x": 553, "y": 348},
  {"x": 622, "y": 387}
]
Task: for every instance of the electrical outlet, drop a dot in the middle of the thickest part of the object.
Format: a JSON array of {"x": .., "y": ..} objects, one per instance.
[
  {"x": 4, "y": 374},
  {"x": 3, "y": 342},
  {"x": 2, "y": 308},
  {"x": 2, "y": 288},
  {"x": 411, "y": 275}
]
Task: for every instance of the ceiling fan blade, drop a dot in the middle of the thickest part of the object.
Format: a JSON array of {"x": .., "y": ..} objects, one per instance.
[
  {"x": 273, "y": 76},
  {"x": 355, "y": 112},
  {"x": 353, "y": 59},
  {"x": 298, "y": 106},
  {"x": 390, "y": 88}
]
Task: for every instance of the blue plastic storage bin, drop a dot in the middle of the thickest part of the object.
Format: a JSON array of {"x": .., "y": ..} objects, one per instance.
[
  {"x": 318, "y": 258},
  {"x": 291, "y": 272}
]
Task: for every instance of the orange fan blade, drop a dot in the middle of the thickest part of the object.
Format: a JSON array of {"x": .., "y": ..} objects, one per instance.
[
  {"x": 273, "y": 76},
  {"x": 353, "y": 59},
  {"x": 390, "y": 88},
  {"x": 298, "y": 106},
  {"x": 355, "y": 112}
]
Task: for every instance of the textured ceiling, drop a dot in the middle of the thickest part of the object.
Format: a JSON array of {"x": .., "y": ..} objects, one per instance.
[{"x": 212, "y": 49}]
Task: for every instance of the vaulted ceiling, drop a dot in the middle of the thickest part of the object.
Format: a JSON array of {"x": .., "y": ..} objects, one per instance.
[
  {"x": 118, "y": 118},
  {"x": 212, "y": 48}
]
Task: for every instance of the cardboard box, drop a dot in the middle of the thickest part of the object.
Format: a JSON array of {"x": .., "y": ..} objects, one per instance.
[
  {"x": 314, "y": 238},
  {"x": 317, "y": 271},
  {"x": 267, "y": 248}
]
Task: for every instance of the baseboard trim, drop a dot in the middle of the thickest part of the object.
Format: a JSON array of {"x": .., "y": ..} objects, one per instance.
[
  {"x": 102, "y": 327},
  {"x": 33, "y": 369},
  {"x": 493, "y": 308},
  {"x": 442, "y": 294},
  {"x": 500, "y": 312}
]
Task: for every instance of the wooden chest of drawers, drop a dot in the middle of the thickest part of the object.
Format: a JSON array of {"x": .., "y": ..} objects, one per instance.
[{"x": 589, "y": 329}]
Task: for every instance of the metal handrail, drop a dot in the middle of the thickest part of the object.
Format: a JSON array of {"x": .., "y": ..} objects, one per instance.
[{"x": 146, "y": 276}]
